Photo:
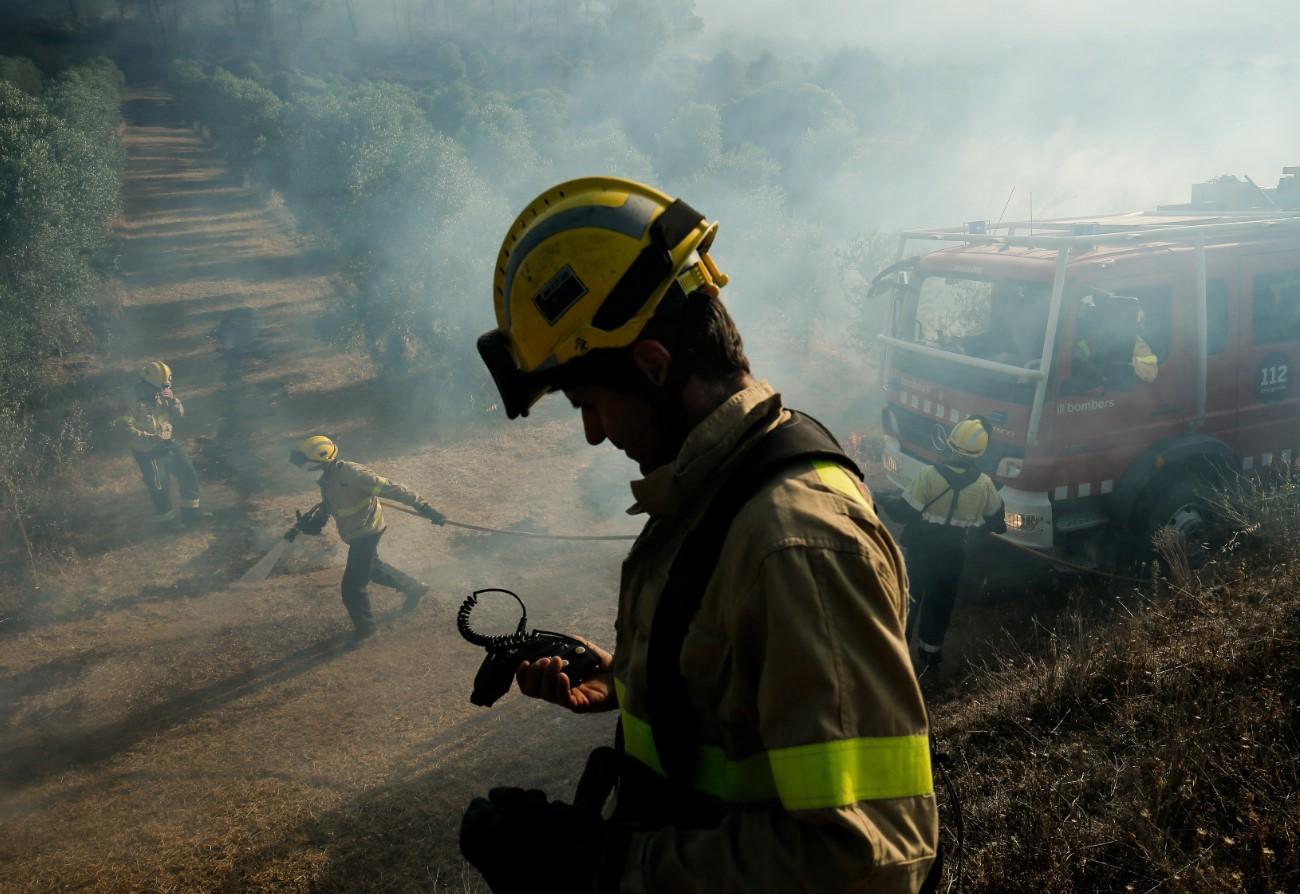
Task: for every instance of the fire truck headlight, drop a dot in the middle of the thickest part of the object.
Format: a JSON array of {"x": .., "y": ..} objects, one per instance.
[
  {"x": 890, "y": 462},
  {"x": 1010, "y": 468},
  {"x": 1018, "y": 521}
]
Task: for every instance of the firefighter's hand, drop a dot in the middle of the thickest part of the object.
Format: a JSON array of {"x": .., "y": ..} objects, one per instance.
[
  {"x": 545, "y": 679},
  {"x": 430, "y": 513},
  {"x": 310, "y": 523},
  {"x": 523, "y": 843}
]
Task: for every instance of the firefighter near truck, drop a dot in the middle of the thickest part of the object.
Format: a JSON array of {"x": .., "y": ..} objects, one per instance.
[{"x": 1132, "y": 367}]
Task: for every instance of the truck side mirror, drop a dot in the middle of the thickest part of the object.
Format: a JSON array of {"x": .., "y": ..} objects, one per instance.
[{"x": 895, "y": 276}]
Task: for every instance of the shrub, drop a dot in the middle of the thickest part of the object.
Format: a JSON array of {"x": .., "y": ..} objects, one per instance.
[
  {"x": 60, "y": 186},
  {"x": 23, "y": 74}
]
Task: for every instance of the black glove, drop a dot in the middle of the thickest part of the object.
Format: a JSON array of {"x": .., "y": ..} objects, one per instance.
[
  {"x": 430, "y": 513},
  {"x": 311, "y": 523},
  {"x": 518, "y": 840}
]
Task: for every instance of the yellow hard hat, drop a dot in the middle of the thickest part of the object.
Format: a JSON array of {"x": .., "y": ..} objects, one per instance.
[
  {"x": 316, "y": 449},
  {"x": 584, "y": 267},
  {"x": 157, "y": 374},
  {"x": 969, "y": 438}
]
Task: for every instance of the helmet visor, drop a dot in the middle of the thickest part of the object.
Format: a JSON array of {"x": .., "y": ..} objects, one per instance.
[{"x": 519, "y": 390}]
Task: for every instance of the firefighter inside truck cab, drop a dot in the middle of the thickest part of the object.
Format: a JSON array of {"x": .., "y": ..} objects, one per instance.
[{"x": 1110, "y": 351}]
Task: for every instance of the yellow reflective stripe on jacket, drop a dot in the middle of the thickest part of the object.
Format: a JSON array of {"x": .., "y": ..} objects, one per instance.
[
  {"x": 354, "y": 508},
  {"x": 804, "y": 777},
  {"x": 357, "y": 507},
  {"x": 836, "y": 477}
]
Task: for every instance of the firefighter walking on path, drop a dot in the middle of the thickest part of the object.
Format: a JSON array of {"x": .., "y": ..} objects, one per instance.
[
  {"x": 773, "y": 735},
  {"x": 350, "y": 495},
  {"x": 943, "y": 505},
  {"x": 151, "y": 424}
]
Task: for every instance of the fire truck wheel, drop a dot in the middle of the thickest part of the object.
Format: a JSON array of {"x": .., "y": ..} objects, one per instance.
[{"x": 1181, "y": 509}]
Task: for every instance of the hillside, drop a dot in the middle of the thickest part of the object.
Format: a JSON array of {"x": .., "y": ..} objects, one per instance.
[{"x": 161, "y": 729}]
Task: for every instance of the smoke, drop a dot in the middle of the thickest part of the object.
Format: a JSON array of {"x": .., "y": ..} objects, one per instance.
[{"x": 402, "y": 137}]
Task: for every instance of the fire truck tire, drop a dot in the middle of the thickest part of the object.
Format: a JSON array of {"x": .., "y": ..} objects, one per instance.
[{"x": 1183, "y": 508}]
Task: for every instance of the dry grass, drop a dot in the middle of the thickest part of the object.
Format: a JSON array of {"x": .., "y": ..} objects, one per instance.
[
  {"x": 1156, "y": 749},
  {"x": 161, "y": 733}
]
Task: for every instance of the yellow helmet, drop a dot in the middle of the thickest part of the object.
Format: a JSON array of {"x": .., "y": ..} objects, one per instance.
[
  {"x": 969, "y": 438},
  {"x": 157, "y": 374},
  {"x": 316, "y": 449},
  {"x": 584, "y": 267}
]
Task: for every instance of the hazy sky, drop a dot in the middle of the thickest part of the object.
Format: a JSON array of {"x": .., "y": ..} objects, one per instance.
[
  {"x": 973, "y": 28},
  {"x": 1108, "y": 104}
]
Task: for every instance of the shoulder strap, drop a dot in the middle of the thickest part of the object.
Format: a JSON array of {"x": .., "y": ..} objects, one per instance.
[
  {"x": 957, "y": 482},
  {"x": 799, "y": 441}
]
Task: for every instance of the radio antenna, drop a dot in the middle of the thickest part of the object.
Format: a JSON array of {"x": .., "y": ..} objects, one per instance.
[{"x": 1005, "y": 205}]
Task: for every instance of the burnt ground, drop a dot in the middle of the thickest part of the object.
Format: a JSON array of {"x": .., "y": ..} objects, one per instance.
[{"x": 161, "y": 729}]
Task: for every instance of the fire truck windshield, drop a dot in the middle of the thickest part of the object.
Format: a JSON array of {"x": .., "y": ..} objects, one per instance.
[{"x": 999, "y": 320}]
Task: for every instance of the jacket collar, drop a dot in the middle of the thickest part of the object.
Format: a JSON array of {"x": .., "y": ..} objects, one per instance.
[{"x": 672, "y": 487}]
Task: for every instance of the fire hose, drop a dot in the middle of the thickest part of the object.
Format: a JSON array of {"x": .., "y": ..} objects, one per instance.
[{"x": 486, "y": 530}]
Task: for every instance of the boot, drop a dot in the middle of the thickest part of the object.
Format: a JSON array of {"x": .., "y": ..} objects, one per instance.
[
  {"x": 928, "y": 658},
  {"x": 361, "y": 633},
  {"x": 413, "y": 597},
  {"x": 195, "y": 516}
]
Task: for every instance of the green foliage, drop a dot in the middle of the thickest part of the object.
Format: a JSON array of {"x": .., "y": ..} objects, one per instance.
[
  {"x": 60, "y": 180},
  {"x": 410, "y": 186},
  {"x": 88, "y": 98},
  {"x": 22, "y": 73}
]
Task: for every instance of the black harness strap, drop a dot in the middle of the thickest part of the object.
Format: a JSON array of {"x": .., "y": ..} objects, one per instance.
[
  {"x": 798, "y": 442},
  {"x": 957, "y": 482}
]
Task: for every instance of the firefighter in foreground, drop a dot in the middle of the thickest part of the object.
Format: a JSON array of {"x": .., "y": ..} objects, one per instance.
[
  {"x": 941, "y": 507},
  {"x": 350, "y": 495},
  {"x": 151, "y": 425},
  {"x": 774, "y": 739}
]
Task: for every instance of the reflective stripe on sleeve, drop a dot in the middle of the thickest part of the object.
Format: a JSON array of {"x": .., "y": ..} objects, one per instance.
[
  {"x": 837, "y": 478},
  {"x": 804, "y": 777}
]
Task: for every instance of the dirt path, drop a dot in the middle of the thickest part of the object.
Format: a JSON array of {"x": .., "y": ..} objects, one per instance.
[{"x": 160, "y": 730}]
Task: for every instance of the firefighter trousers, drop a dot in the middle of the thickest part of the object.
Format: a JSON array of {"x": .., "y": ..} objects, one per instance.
[
  {"x": 934, "y": 579},
  {"x": 158, "y": 467},
  {"x": 364, "y": 566}
]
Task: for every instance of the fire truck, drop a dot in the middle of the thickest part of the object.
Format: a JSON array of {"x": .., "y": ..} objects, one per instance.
[{"x": 1130, "y": 366}]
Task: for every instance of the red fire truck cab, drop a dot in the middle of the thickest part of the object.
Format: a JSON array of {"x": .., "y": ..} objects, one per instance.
[{"x": 1128, "y": 365}]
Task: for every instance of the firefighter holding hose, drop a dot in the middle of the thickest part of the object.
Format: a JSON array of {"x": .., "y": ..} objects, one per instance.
[{"x": 350, "y": 495}]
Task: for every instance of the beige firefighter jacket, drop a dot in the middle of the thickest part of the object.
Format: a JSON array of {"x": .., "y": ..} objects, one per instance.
[
  {"x": 150, "y": 423},
  {"x": 350, "y": 492},
  {"x": 810, "y": 719}
]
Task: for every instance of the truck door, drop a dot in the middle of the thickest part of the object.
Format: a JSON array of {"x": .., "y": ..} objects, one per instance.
[
  {"x": 1268, "y": 402},
  {"x": 1111, "y": 408}
]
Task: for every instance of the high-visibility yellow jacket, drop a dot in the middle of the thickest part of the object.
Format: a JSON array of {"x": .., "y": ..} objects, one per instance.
[
  {"x": 350, "y": 492},
  {"x": 810, "y": 721},
  {"x": 150, "y": 423},
  {"x": 932, "y": 496},
  {"x": 1145, "y": 363}
]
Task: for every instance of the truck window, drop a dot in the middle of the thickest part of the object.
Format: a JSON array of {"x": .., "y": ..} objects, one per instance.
[
  {"x": 1156, "y": 326},
  {"x": 1216, "y": 316},
  {"x": 1003, "y": 321},
  {"x": 1275, "y": 298}
]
